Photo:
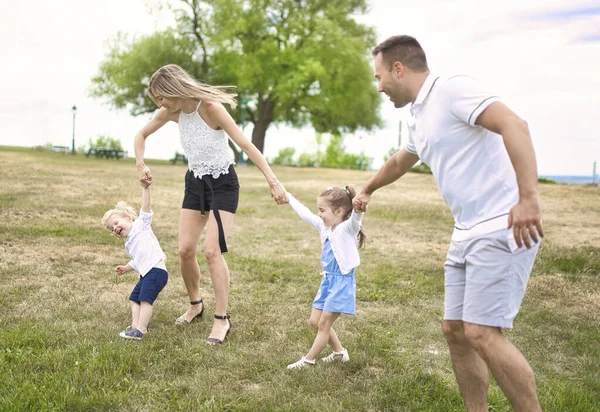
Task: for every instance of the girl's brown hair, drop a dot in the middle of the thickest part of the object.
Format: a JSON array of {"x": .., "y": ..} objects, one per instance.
[{"x": 337, "y": 197}]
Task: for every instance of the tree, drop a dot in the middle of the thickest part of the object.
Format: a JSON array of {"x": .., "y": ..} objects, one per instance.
[
  {"x": 297, "y": 62},
  {"x": 123, "y": 76},
  {"x": 285, "y": 157},
  {"x": 106, "y": 142},
  {"x": 390, "y": 153},
  {"x": 335, "y": 156}
]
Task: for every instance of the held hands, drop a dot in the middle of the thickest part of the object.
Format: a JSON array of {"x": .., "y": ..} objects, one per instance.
[
  {"x": 122, "y": 269},
  {"x": 278, "y": 192},
  {"x": 145, "y": 175},
  {"x": 526, "y": 220},
  {"x": 360, "y": 202}
]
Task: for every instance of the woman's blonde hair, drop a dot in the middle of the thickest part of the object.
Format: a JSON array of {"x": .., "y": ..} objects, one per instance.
[
  {"x": 122, "y": 209},
  {"x": 174, "y": 82},
  {"x": 337, "y": 197}
]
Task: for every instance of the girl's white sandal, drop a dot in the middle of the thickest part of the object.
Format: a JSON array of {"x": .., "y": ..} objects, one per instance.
[
  {"x": 335, "y": 356},
  {"x": 302, "y": 363}
]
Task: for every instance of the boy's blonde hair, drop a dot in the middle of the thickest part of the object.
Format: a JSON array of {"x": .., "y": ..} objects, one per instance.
[
  {"x": 122, "y": 209},
  {"x": 337, "y": 197},
  {"x": 174, "y": 82}
]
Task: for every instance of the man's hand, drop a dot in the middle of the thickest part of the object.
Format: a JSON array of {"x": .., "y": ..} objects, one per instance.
[
  {"x": 360, "y": 201},
  {"x": 525, "y": 218}
]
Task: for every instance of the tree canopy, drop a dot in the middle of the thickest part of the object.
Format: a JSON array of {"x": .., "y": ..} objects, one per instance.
[{"x": 296, "y": 62}]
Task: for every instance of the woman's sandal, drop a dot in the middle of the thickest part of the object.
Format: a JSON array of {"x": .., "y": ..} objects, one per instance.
[
  {"x": 182, "y": 321},
  {"x": 215, "y": 341}
]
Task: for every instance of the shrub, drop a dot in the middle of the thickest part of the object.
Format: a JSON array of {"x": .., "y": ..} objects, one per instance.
[
  {"x": 106, "y": 142},
  {"x": 421, "y": 168},
  {"x": 285, "y": 157}
]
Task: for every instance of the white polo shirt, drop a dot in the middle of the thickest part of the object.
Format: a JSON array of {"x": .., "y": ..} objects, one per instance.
[
  {"x": 470, "y": 163},
  {"x": 143, "y": 247}
]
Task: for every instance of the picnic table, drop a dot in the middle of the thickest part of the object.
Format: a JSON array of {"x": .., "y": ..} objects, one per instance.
[
  {"x": 178, "y": 157},
  {"x": 100, "y": 152}
]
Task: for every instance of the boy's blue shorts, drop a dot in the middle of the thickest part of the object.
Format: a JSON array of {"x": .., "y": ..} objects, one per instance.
[{"x": 148, "y": 287}]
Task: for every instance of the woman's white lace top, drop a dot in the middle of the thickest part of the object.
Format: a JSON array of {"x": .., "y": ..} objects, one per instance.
[{"x": 206, "y": 149}]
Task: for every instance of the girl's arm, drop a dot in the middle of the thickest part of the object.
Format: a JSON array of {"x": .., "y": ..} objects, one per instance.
[
  {"x": 305, "y": 213},
  {"x": 139, "y": 143},
  {"x": 352, "y": 225},
  {"x": 146, "y": 200},
  {"x": 223, "y": 119}
]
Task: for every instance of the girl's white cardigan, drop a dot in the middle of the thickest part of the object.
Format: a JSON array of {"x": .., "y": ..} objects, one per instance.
[{"x": 343, "y": 239}]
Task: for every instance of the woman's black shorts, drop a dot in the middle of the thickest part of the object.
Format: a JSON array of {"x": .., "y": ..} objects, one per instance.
[{"x": 208, "y": 193}]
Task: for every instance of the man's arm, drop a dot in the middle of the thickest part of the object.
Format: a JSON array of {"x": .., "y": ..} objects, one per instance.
[
  {"x": 394, "y": 168},
  {"x": 526, "y": 216}
]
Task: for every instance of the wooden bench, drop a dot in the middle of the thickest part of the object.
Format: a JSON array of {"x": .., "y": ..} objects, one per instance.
[
  {"x": 178, "y": 157},
  {"x": 61, "y": 149},
  {"x": 108, "y": 153}
]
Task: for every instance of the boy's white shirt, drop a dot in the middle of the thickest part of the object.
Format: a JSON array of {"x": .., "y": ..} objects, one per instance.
[
  {"x": 143, "y": 247},
  {"x": 343, "y": 239}
]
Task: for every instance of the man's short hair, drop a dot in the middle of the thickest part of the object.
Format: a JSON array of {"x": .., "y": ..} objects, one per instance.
[{"x": 404, "y": 49}]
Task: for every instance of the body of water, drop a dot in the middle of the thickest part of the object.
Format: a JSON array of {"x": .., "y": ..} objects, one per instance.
[{"x": 576, "y": 180}]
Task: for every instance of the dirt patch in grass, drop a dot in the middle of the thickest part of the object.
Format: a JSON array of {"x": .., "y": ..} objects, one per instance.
[{"x": 572, "y": 301}]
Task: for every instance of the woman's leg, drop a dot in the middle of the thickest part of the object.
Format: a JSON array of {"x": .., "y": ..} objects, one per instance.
[
  {"x": 219, "y": 272},
  {"x": 323, "y": 334},
  {"x": 191, "y": 224}
]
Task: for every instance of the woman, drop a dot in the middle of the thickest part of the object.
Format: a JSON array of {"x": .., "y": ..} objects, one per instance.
[{"x": 211, "y": 184}]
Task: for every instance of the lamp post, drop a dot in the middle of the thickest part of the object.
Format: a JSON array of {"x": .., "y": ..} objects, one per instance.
[
  {"x": 244, "y": 106},
  {"x": 400, "y": 134},
  {"x": 74, "y": 111},
  {"x": 244, "y": 103}
]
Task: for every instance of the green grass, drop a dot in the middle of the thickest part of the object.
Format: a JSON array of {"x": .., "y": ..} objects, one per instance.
[{"x": 63, "y": 306}]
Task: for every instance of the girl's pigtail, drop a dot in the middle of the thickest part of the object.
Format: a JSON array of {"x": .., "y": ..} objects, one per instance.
[{"x": 362, "y": 237}]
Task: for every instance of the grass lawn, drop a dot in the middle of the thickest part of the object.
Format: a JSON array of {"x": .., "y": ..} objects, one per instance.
[{"x": 61, "y": 305}]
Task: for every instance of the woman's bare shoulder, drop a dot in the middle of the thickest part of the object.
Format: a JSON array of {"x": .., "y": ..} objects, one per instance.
[
  {"x": 165, "y": 115},
  {"x": 212, "y": 113}
]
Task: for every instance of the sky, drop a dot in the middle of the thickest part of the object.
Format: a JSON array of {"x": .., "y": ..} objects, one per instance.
[{"x": 540, "y": 56}]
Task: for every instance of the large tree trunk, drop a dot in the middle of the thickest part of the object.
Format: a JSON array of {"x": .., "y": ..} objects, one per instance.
[
  {"x": 262, "y": 123},
  {"x": 238, "y": 155}
]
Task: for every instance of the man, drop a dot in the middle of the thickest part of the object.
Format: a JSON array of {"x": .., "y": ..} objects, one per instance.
[{"x": 482, "y": 158}]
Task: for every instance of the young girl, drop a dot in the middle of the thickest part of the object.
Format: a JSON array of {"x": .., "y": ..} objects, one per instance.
[
  {"x": 211, "y": 184},
  {"x": 147, "y": 258},
  {"x": 339, "y": 225}
]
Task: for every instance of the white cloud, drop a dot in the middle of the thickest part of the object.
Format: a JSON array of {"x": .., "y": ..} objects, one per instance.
[{"x": 539, "y": 65}]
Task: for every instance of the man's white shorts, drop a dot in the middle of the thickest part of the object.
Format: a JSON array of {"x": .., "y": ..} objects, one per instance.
[{"x": 485, "y": 279}]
